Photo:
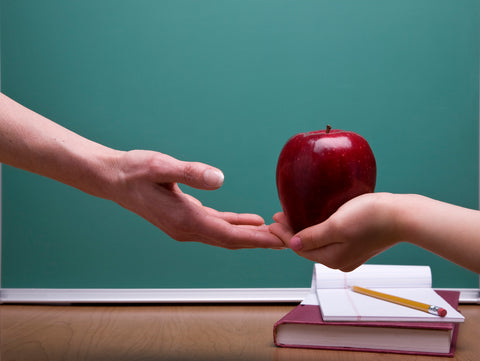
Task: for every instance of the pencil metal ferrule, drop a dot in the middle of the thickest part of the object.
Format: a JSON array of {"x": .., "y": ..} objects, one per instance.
[{"x": 434, "y": 310}]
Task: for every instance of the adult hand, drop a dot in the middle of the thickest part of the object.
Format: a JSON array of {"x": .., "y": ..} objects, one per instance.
[
  {"x": 147, "y": 184},
  {"x": 360, "y": 229},
  {"x": 144, "y": 182}
]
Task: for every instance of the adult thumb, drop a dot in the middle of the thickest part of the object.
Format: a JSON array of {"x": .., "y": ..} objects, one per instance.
[
  {"x": 166, "y": 169},
  {"x": 201, "y": 176}
]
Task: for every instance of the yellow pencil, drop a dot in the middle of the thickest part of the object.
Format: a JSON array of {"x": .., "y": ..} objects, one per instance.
[{"x": 434, "y": 310}]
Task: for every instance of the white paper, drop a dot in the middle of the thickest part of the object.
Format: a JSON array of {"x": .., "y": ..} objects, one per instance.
[{"x": 339, "y": 303}]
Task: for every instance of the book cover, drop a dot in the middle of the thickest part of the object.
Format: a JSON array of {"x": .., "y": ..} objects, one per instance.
[{"x": 304, "y": 327}]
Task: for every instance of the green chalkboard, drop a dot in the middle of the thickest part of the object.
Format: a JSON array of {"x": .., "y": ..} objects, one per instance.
[{"x": 227, "y": 82}]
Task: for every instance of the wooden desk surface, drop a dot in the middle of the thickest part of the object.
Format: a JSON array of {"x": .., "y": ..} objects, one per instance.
[{"x": 174, "y": 332}]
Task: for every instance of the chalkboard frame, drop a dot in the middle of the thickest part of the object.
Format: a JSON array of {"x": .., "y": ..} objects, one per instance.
[{"x": 164, "y": 295}]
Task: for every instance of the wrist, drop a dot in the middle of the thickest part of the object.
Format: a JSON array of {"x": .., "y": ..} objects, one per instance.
[
  {"x": 392, "y": 211},
  {"x": 407, "y": 210},
  {"x": 99, "y": 172},
  {"x": 85, "y": 165}
]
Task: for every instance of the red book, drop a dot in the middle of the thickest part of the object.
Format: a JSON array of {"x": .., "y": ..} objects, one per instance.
[{"x": 303, "y": 327}]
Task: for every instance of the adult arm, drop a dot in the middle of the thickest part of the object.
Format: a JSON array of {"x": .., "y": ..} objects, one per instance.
[{"x": 144, "y": 182}]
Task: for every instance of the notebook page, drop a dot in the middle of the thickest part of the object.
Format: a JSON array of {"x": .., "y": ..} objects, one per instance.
[
  {"x": 371, "y": 276},
  {"x": 338, "y": 303},
  {"x": 345, "y": 305}
]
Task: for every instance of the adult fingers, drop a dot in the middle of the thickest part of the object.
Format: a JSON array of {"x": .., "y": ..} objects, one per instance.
[
  {"x": 167, "y": 169},
  {"x": 237, "y": 218},
  {"x": 219, "y": 232}
]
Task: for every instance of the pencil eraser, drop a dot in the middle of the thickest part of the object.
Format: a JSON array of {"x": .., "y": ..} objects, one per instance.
[{"x": 442, "y": 312}]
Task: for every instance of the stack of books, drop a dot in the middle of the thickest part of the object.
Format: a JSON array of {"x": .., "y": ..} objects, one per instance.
[{"x": 335, "y": 316}]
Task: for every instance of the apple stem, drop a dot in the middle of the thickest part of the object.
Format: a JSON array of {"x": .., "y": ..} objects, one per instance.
[{"x": 328, "y": 128}]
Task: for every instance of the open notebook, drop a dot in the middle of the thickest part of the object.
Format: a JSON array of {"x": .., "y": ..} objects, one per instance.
[
  {"x": 304, "y": 327},
  {"x": 339, "y": 303}
]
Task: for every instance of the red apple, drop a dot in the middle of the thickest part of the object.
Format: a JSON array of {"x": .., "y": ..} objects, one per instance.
[{"x": 319, "y": 171}]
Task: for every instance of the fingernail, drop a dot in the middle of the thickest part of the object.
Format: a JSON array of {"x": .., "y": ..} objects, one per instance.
[
  {"x": 296, "y": 244},
  {"x": 213, "y": 177}
]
